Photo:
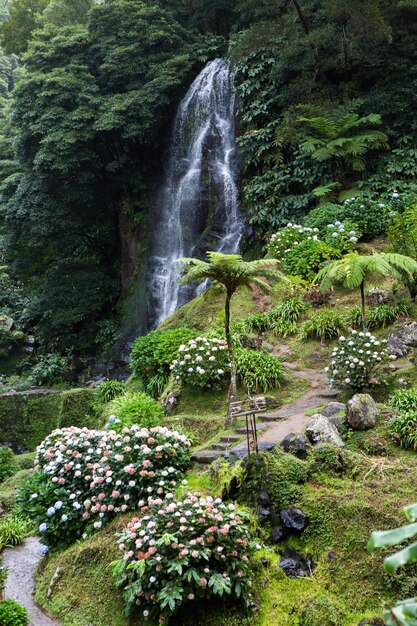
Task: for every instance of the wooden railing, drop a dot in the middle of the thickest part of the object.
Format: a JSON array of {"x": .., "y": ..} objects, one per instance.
[{"x": 249, "y": 408}]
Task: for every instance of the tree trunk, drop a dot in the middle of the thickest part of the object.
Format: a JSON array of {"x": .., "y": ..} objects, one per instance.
[
  {"x": 301, "y": 16},
  {"x": 363, "y": 307},
  {"x": 233, "y": 386}
]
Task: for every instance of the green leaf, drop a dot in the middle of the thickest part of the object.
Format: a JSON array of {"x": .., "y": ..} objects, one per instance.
[
  {"x": 392, "y": 537},
  {"x": 406, "y": 556}
]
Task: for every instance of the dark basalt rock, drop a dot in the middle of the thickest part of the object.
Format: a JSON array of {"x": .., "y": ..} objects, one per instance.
[
  {"x": 277, "y": 534},
  {"x": 297, "y": 444},
  {"x": 264, "y": 498},
  {"x": 16, "y": 448},
  {"x": 294, "y": 519},
  {"x": 263, "y": 512},
  {"x": 295, "y": 565}
]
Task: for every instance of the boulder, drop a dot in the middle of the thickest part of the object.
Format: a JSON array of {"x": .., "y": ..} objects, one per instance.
[
  {"x": 332, "y": 408},
  {"x": 320, "y": 430},
  {"x": 296, "y": 443},
  {"x": 263, "y": 512},
  {"x": 294, "y": 519},
  {"x": 295, "y": 565},
  {"x": 277, "y": 534},
  {"x": 361, "y": 412},
  {"x": 402, "y": 339},
  {"x": 340, "y": 422},
  {"x": 6, "y": 322},
  {"x": 169, "y": 402}
]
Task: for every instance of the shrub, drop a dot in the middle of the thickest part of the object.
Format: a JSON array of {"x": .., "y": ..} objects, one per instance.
[
  {"x": 182, "y": 551},
  {"x": 326, "y": 324},
  {"x": 48, "y": 369},
  {"x": 258, "y": 370},
  {"x": 135, "y": 408},
  {"x": 379, "y": 316},
  {"x": 152, "y": 355},
  {"x": 306, "y": 259},
  {"x": 357, "y": 363},
  {"x": 281, "y": 319},
  {"x": 404, "y": 612},
  {"x": 404, "y": 428},
  {"x": 369, "y": 216},
  {"x": 13, "y": 530},
  {"x": 323, "y": 215},
  {"x": 342, "y": 235},
  {"x": 288, "y": 238},
  {"x": 84, "y": 477},
  {"x": 8, "y": 465},
  {"x": 402, "y": 235},
  {"x": 12, "y": 614},
  {"x": 111, "y": 389},
  {"x": 403, "y": 400},
  {"x": 316, "y": 297},
  {"x": 202, "y": 362}
]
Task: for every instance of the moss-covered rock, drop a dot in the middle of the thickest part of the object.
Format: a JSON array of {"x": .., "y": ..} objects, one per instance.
[{"x": 26, "y": 418}]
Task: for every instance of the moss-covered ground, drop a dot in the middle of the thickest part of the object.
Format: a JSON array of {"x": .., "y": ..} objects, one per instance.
[{"x": 347, "y": 584}]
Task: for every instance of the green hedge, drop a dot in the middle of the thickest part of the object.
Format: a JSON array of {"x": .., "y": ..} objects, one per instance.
[{"x": 27, "y": 418}]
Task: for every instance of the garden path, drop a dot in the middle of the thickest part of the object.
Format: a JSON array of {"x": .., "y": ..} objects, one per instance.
[{"x": 22, "y": 562}]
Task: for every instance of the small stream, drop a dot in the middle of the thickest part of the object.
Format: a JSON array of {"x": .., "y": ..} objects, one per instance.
[{"x": 22, "y": 562}]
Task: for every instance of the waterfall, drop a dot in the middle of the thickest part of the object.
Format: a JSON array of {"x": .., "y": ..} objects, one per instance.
[{"x": 197, "y": 208}]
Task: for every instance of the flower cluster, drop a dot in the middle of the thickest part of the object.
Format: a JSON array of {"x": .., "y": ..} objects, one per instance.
[
  {"x": 342, "y": 235},
  {"x": 202, "y": 362},
  {"x": 358, "y": 362},
  {"x": 180, "y": 551},
  {"x": 84, "y": 477},
  {"x": 287, "y": 238}
]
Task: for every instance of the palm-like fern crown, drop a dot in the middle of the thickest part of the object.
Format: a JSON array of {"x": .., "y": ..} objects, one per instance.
[
  {"x": 231, "y": 271},
  {"x": 355, "y": 269}
]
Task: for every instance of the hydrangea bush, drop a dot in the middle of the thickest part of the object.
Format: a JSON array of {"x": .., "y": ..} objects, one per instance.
[
  {"x": 84, "y": 477},
  {"x": 287, "y": 238},
  {"x": 202, "y": 362},
  {"x": 359, "y": 362},
  {"x": 181, "y": 551}
]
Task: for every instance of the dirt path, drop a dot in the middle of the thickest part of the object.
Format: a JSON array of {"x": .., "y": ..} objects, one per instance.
[
  {"x": 293, "y": 416},
  {"x": 22, "y": 562}
]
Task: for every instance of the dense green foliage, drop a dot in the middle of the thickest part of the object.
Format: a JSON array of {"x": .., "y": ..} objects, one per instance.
[
  {"x": 152, "y": 355},
  {"x": 12, "y": 614},
  {"x": 7, "y": 463},
  {"x": 84, "y": 122},
  {"x": 135, "y": 408}
]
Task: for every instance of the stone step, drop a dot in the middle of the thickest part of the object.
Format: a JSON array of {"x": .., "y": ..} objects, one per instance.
[
  {"x": 230, "y": 438},
  {"x": 259, "y": 426},
  {"x": 272, "y": 417},
  {"x": 329, "y": 393},
  {"x": 206, "y": 456},
  {"x": 221, "y": 446}
]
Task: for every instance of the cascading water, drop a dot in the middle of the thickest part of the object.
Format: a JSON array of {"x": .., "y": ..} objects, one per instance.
[{"x": 198, "y": 205}]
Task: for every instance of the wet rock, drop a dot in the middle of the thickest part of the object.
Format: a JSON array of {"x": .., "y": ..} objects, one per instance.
[
  {"x": 277, "y": 534},
  {"x": 264, "y": 512},
  {"x": 295, "y": 565},
  {"x": 297, "y": 444},
  {"x": 403, "y": 339},
  {"x": 377, "y": 296},
  {"x": 294, "y": 519},
  {"x": 169, "y": 402},
  {"x": 16, "y": 448},
  {"x": 361, "y": 412},
  {"x": 332, "y": 408},
  {"x": 241, "y": 451},
  {"x": 76, "y": 364},
  {"x": 6, "y": 322},
  {"x": 264, "y": 562},
  {"x": 320, "y": 430},
  {"x": 264, "y": 498}
]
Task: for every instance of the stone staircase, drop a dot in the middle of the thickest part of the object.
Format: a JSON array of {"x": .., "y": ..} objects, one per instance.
[{"x": 226, "y": 442}]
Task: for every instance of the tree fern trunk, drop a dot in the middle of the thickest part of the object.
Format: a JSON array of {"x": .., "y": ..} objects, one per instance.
[
  {"x": 233, "y": 384},
  {"x": 363, "y": 307}
]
